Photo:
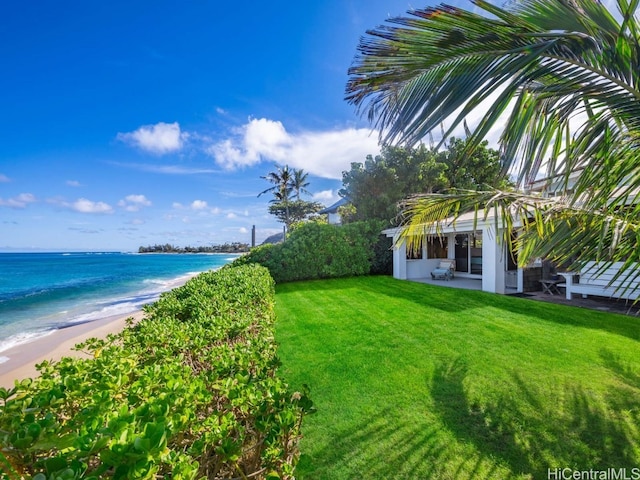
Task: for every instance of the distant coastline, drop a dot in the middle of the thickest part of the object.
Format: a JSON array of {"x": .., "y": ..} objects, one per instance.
[{"x": 235, "y": 247}]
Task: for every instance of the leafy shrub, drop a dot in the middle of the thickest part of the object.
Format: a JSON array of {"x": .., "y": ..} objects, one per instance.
[
  {"x": 189, "y": 392},
  {"x": 313, "y": 250},
  {"x": 382, "y": 262}
]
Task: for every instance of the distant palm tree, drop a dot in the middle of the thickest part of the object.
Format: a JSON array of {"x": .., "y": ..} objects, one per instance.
[
  {"x": 299, "y": 182},
  {"x": 564, "y": 74},
  {"x": 281, "y": 179}
]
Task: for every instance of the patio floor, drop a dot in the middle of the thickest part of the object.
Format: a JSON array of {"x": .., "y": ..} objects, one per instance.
[{"x": 457, "y": 282}]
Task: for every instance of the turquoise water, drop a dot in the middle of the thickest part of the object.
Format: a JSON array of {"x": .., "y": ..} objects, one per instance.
[{"x": 41, "y": 292}]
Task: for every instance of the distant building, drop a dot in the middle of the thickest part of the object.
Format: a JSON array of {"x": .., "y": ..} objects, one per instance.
[{"x": 333, "y": 217}]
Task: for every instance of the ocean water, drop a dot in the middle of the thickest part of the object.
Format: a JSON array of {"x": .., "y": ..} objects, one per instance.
[{"x": 42, "y": 292}]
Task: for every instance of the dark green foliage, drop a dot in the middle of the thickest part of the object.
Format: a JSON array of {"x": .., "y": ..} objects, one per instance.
[
  {"x": 376, "y": 186},
  {"x": 234, "y": 247},
  {"x": 382, "y": 261},
  {"x": 189, "y": 392},
  {"x": 314, "y": 250},
  {"x": 294, "y": 211}
]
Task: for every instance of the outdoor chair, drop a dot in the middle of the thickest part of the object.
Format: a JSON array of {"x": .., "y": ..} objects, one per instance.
[{"x": 445, "y": 270}]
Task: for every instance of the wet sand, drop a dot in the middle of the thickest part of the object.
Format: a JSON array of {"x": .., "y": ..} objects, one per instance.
[{"x": 23, "y": 358}]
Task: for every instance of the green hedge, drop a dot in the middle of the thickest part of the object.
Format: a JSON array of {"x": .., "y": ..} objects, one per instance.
[
  {"x": 189, "y": 392},
  {"x": 314, "y": 250}
]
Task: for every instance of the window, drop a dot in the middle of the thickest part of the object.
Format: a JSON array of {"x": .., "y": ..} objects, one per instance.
[
  {"x": 437, "y": 247},
  {"x": 414, "y": 253}
]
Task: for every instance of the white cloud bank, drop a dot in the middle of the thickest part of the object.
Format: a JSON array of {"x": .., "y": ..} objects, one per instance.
[
  {"x": 159, "y": 139},
  {"x": 324, "y": 154},
  {"x": 4, "y": 178}
]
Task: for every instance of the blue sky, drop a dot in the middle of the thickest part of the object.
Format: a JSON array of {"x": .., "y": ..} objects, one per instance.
[{"x": 133, "y": 123}]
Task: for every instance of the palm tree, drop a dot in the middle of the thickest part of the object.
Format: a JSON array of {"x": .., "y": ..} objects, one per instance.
[
  {"x": 281, "y": 179},
  {"x": 299, "y": 182},
  {"x": 564, "y": 74}
]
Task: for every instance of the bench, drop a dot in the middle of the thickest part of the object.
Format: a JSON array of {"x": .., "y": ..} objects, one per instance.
[{"x": 602, "y": 284}]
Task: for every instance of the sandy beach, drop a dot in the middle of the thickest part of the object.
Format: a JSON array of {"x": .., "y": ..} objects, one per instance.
[{"x": 24, "y": 357}]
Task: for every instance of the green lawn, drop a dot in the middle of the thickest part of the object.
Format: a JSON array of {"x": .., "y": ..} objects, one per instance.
[{"x": 424, "y": 382}]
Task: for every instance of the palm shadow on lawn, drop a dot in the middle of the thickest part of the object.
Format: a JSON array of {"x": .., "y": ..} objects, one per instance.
[
  {"x": 522, "y": 434},
  {"x": 533, "y": 433},
  {"x": 412, "y": 450}
]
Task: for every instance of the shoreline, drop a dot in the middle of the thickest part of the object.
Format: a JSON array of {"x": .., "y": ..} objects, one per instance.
[{"x": 23, "y": 358}]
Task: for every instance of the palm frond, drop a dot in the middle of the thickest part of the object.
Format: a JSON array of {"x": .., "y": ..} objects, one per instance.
[{"x": 546, "y": 59}]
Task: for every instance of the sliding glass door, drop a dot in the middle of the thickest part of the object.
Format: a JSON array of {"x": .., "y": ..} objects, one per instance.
[{"x": 468, "y": 252}]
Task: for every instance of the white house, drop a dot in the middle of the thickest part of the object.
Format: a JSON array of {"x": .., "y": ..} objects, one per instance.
[
  {"x": 478, "y": 254},
  {"x": 482, "y": 255}
]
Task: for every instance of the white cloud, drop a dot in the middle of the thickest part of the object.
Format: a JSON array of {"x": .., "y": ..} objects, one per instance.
[
  {"x": 198, "y": 205},
  {"x": 160, "y": 138},
  {"x": 231, "y": 216},
  {"x": 167, "y": 169},
  {"x": 19, "y": 201},
  {"x": 322, "y": 153},
  {"x": 324, "y": 196},
  {"x": 73, "y": 183},
  {"x": 133, "y": 203},
  {"x": 83, "y": 205},
  {"x": 243, "y": 230},
  {"x": 4, "y": 178}
]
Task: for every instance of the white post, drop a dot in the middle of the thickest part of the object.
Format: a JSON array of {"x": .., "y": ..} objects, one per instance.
[
  {"x": 493, "y": 265},
  {"x": 568, "y": 277},
  {"x": 399, "y": 259}
]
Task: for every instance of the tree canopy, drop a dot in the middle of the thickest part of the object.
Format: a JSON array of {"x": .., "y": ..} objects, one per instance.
[{"x": 376, "y": 186}]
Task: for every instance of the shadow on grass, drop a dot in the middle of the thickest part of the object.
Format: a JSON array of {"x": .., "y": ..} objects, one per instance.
[
  {"x": 616, "y": 323},
  {"x": 454, "y": 300},
  {"x": 384, "y": 448},
  {"x": 621, "y": 369},
  {"x": 439, "y": 298},
  {"x": 533, "y": 431}
]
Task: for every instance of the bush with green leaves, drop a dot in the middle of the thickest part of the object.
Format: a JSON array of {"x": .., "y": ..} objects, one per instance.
[
  {"x": 313, "y": 250},
  {"x": 191, "y": 391}
]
